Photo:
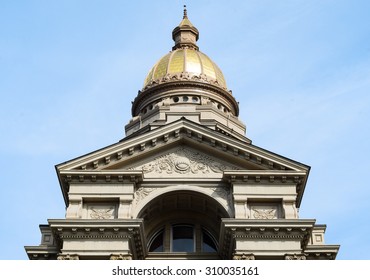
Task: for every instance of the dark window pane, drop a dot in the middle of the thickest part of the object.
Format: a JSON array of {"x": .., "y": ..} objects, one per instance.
[
  {"x": 156, "y": 244},
  {"x": 182, "y": 239},
  {"x": 208, "y": 244}
]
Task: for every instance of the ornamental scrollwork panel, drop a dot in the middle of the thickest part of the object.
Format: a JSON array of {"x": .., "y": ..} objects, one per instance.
[{"x": 185, "y": 161}]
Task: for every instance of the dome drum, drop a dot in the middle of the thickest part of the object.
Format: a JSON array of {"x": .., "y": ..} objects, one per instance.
[{"x": 193, "y": 92}]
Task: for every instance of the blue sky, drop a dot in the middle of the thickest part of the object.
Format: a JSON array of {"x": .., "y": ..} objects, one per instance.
[{"x": 299, "y": 69}]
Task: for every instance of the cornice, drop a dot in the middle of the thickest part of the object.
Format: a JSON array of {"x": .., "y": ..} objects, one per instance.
[
  {"x": 267, "y": 176},
  {"x": 321, "y": 252},
  {"x": 95, "y": 229},
  {"x": 117, "y": 229},
  {"x": 268, "y": 229},
  {"x": 249, "y": 229},
  {"x": 102, "y": 175},
  {"x": 306, "y": 223}
]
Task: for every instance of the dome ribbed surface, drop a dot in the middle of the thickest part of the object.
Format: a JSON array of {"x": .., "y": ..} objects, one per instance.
[{"x": 189, "y": 61}]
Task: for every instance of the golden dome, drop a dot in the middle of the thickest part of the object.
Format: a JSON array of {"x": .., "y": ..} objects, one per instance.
[{"x": 185, "y": 64}]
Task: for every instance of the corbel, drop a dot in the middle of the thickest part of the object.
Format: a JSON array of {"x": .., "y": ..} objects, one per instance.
[
  {"x": 96, "y": 164},
  {"x": 177, "y": 133},
  {"x": 224, "y": 146},
  {"x": 133, "y": 178},
  {"x": 119, "y": 155},
  {"x": 154, "y": 142},
  {"x": 213, "y": 142},
  {"x": 259, "y": 160},
  {"x": 142, "y": 146}
]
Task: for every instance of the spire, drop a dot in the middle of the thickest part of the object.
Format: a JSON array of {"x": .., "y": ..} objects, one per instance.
[{"x": 185, "y": 34}]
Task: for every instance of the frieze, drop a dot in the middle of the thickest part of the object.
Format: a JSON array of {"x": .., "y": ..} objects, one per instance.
[
  {"x": 268, "y": 236},
  {"x": 95, "y": 236}
]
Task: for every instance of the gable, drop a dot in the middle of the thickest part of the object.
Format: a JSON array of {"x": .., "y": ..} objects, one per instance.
[
  {"x": 125, "y": 154},
  {"x": 182, "y": 149}
]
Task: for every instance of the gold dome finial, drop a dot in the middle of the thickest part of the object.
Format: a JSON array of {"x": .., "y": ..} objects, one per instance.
[{"x": 185, "y": 34}]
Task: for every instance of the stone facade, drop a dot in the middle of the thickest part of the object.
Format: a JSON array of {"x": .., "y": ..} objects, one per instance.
[{"x": 185, "y": 183}]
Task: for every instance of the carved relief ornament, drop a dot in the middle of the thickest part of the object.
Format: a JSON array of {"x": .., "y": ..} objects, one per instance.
[
  {"x": 121, "y": 257},
  {"x": 244, "y": 257},
  {"x": 295, "y": 257},
  {"x": 183, "y": 76},
  {"x": 101, "y": 214},
  {"x": 264, "y": 214},
  {"x": 68, "y": 257},
  {"x": 141, "y": 193},
  {"x": 184, "y": 161}
]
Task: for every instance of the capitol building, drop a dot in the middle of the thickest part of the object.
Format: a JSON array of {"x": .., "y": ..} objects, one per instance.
[{"x": 185, "y": 182}]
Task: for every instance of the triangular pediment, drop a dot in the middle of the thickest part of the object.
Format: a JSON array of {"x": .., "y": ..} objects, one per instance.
[
  {"x": 125, "y": 154},
  {"x": 182, "y": 149}
]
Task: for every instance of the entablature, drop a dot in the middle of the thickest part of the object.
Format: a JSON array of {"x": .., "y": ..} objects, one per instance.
[{"x": 263, "y": 230}]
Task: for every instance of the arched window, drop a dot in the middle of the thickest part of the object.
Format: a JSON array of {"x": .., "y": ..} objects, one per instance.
[
  {"x": 156, "y": 242},
  {"x": 182, "y": 238}
]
